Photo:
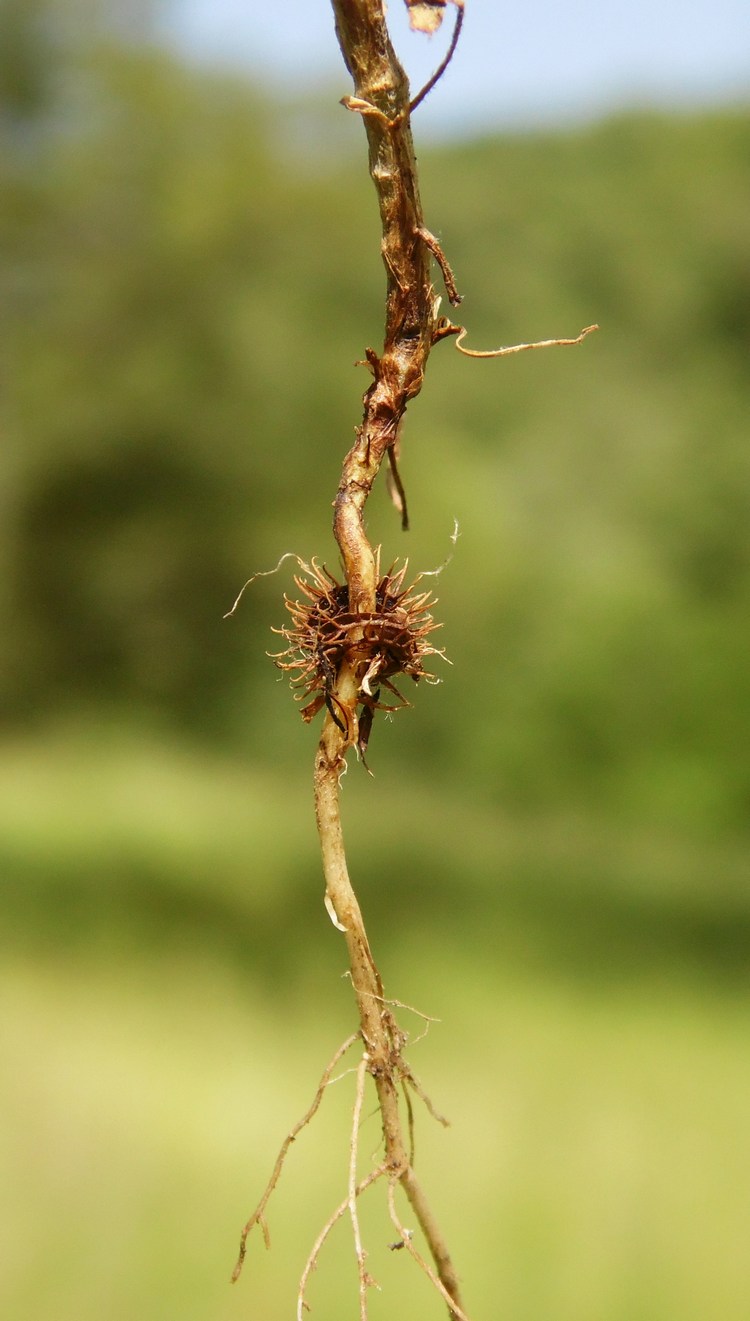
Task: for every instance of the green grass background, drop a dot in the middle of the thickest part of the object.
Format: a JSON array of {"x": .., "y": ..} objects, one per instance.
[
  {"x": 552, "y": 855},
  {"x": 170, "y": 998}
]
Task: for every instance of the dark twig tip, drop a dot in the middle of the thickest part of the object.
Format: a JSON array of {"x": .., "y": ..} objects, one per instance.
[{"x": 437, "y": 75}]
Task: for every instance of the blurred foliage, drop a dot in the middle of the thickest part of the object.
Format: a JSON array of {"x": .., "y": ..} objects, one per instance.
[
  {"x": 186, "y": 280},
  {"x": 596, "y": 1165},
  {"x": 188, "y": 274}
]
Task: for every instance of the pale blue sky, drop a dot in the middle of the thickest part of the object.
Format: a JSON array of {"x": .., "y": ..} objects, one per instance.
[{"x": 542, "y": 62}]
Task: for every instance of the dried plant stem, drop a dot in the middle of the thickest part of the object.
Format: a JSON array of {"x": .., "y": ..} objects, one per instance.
[
  {"x": 348, "y": 639},
  {"x": 412, "y": 310},
  {"x": 383, "y": 1039},
  {"x": 381, "y": 96}
]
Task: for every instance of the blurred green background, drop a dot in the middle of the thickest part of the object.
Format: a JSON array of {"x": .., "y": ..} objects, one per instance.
[{"x": 553, "y": 854}]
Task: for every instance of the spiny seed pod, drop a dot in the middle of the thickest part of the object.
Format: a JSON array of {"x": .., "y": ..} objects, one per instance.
[{"x": 381, "y": 644}]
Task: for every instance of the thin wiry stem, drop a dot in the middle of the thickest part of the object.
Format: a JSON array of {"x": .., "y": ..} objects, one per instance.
[
  {"x": 364, "y": 1279},
  {"x": 517, "y": 348},
  {"x": 437, "y": 75},
  {"x": 258, "y": 1216},
  {"x": 312, "y": 1261}
]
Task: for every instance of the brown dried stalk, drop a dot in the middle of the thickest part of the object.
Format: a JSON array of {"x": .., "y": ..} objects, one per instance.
[
  {"x": 349, "y": 638},
  {"x": 413, "y": 325}
]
